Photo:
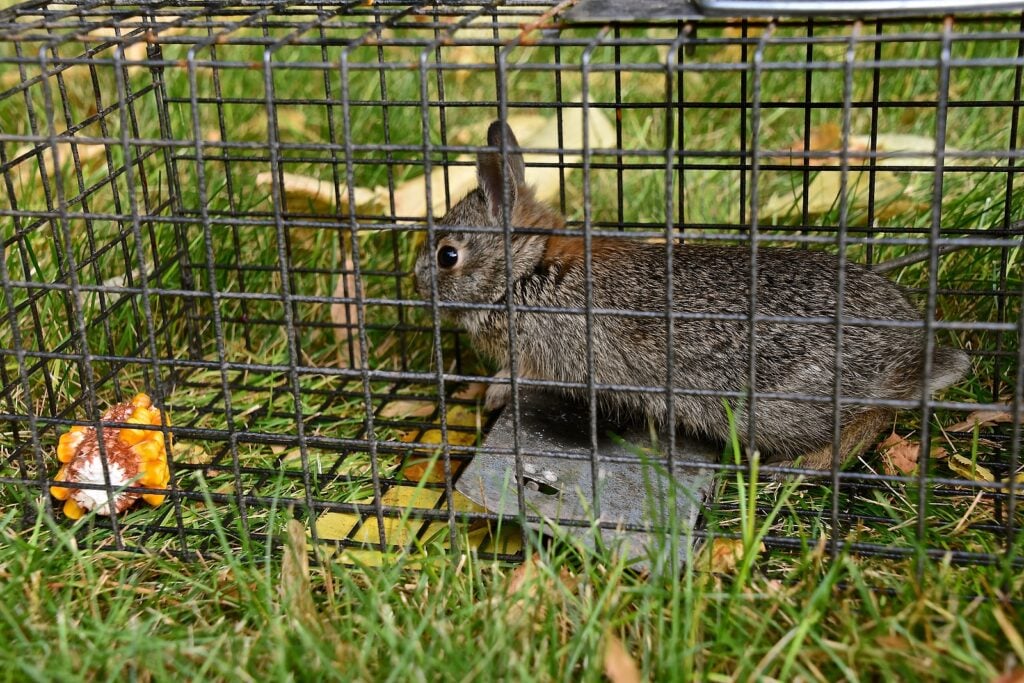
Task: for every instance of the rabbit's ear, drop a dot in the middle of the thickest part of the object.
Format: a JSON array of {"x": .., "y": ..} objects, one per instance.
[{"x": 492, "y": 170}]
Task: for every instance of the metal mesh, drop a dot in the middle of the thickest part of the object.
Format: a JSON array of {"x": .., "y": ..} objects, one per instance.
[{"x": 154, "y": 239}]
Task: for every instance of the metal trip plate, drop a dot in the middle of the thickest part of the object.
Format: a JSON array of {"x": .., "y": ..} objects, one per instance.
[{"x": 632, "y": 491}]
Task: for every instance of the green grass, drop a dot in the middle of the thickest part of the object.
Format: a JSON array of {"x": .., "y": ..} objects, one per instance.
[
  {"x": 72, "y": 605},
  {"x": 239, "y": 614}
]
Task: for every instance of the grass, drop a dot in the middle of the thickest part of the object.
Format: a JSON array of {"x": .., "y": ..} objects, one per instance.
[{"x": 72, "y": 604}]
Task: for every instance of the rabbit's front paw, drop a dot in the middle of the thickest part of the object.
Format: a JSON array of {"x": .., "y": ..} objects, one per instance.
[{"x": 498, "y": 395}]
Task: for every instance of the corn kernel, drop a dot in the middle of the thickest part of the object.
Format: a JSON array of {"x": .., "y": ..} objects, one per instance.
[
  {"x": 153, "y": 499},
  {"x": 72, "y": 510},
  {"x": 149, "y": 450},
  {"x": 130, "y": 437},
  {"x": 60, "y": 492},
  {"x": 68, "y": 443}
]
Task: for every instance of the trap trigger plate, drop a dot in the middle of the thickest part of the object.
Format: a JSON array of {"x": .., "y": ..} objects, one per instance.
[{"x": 637, "y": 497}]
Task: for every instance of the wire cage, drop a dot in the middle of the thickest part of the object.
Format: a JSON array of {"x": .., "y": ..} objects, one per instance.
[{"x": 220, "y": 205}]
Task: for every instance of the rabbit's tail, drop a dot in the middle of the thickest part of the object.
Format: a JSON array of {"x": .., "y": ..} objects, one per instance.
[{"x": 948, "y": 367}]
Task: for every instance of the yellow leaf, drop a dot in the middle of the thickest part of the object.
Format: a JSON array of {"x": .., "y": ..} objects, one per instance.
[
  {"x": 724, "y": 554},
  {"x": 463, "y": 416},
  {"x": 471, "y": 392},
  {"x": 407, "y": 409},
  {"x": 1015, "y": 481},
  {"x": 28, "y": 172},
  {"x": 619, "y": 666},
  {"x": 969, "y": 470},
  {"x": 429, "y": 470},
  {"x": 542, "y": 170},
  {"x": 980, "y": 418},
  {"x": 399, "y": 531},
  {"x": 823, "y": 191},
  {"x": 303, "y": 193}
]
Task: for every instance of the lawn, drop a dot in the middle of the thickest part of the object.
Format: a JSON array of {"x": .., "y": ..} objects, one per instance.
[{"x": 177, "y": 259}]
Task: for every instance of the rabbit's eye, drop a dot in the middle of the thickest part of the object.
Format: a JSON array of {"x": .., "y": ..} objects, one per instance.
[{"x": 447, "y": 256}]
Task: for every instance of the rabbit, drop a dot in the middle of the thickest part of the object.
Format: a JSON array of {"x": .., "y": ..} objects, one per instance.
[{"x": 709, "y": 354}]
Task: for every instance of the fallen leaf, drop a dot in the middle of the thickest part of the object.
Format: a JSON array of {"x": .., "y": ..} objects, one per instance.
[
  {"x": 725, "y": 554},
  {"x": 893, "y": 439},
  {"x": 542, "y": 170},
  {"x": 345, "y": 315},
  {"x": 312, "y": 195},
  {"x": 1015, "y": 675},
  {"x": 891, "y": 191},
  {"x": 899, "y": 455},
  {"x": 28, "y": 172},
  {"x": 455, "y": 438},
  {"x": 981, "y": 419},
  {"x": 408, "y": 409},
  {"x": 969, "y": 470},
  {"x": 825, "y": 189},
  {"x": 532, "y": 590},
  {"x": 1013, "y": 482},
  {"x": 619, "y": 666},
  {"x": 473, "y": 391},
  {"x": 399, "y": 531},
  {"x": 893, "y": 643},
  {"x": 823, "y": 138},
  {"x": 431, "y": 471}
]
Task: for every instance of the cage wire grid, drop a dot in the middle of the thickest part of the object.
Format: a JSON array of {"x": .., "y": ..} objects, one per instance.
[{"x": 160, "y": 235}]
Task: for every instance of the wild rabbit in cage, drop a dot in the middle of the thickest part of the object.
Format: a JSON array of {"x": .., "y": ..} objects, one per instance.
[{"x": 709, "y": 353}]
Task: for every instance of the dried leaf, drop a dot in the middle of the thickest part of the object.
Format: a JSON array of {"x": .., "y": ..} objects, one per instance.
[
  {"x": 725, "y": 554},
  {"x": 312, "y": 195},
  {"x": 893, "y": 439},
  {"x": 1015, "y": 675},
  {"x": 893, "y": 643},
  {"x": 345, "y": 316},
  {"x": 969, "y": 470},
  {"x": 455, "y": 438},
  {"x": 542, "y": 170},
  {"x": 824, "y": 190},
  {"x": 899, "y": 455},
  {"x": 528, "y": 569},
  {"x": 136, "y": 51},
  {"x": 619, "y": 666},
  {"x": 408, "y": 409},
  {"x": 981, "y": 419},
  {"x": 1016, "y": 480},
  {"x": 431, "y": 471},
  {"x": 823, "y": 138},
  {"x": 473, "y": 391},
  {"x": 532, "y": 591},
  {"x": 28, "y": 172}
]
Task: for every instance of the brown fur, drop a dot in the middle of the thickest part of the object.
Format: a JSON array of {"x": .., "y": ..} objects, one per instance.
[{"x": 857, "y": 436}]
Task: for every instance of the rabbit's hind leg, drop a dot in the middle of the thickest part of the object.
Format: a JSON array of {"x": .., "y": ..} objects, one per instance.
[{"x": 857, "y": 436}]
